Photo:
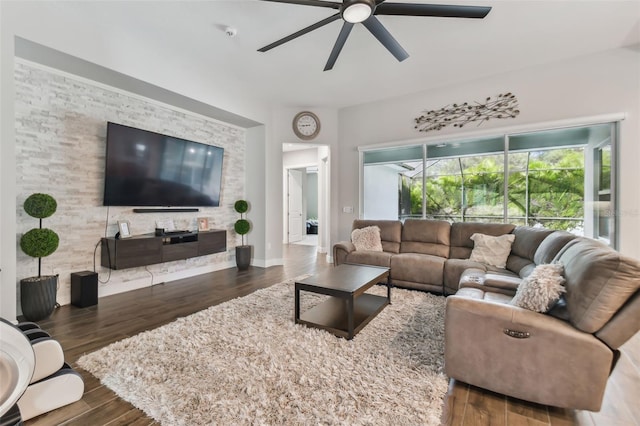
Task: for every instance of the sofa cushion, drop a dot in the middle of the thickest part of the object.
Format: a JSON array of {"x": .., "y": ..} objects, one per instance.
[
  {"x": 492, "y": 250},
  {"x": 504, "y": 283},
  {"x": 374, "y": 258},
  {"x": 545, "y": 250},
  {"x": 418, "y": 268},
  {"x": 426, "y": 237},
  {"x": 453, "y": 270},
  {"x": 460, "y": 237},
  {"x": 599, "y": 281},
  {"x": 367, "y": 238},
  {"x": 541, "y": 289},
  {"x": 519, "y": 265},
  {"x": 390, "y": 232},
  {"x": 481, "y": 294}
]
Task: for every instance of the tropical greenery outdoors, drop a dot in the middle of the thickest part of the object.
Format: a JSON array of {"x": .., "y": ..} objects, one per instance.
[
  {"x": 545, "y": 188},
  {"x": 559, "y": 178}
]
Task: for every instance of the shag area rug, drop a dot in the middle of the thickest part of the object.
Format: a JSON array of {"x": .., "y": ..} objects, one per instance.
[{"x": 246, "y": 362}]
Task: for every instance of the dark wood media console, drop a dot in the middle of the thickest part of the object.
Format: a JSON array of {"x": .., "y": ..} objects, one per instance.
[{"x": 149, "y": 249}]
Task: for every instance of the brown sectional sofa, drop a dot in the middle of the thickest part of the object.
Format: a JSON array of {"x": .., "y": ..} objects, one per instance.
[
  {"x": 561, "y": 358},
  {"x": 433, "y": 255}
]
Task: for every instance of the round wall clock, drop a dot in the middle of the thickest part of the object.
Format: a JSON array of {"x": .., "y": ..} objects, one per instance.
[{"x": 306, "y": 125}]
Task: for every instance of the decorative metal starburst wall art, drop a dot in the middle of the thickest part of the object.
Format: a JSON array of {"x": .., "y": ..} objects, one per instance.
[{"x": 503, "y": 106}]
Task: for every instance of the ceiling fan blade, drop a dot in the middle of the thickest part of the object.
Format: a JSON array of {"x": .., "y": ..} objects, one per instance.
[
  {"x": 440, "y": 10},
  {"x": 301, "y": 32},
  {"x": 337, "y": 48},
  {"x": 378, "y": 30},
  {"x": 318, "y": 3}
]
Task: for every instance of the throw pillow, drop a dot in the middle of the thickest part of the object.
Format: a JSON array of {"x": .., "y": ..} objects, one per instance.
[
  {"x": 492, "y": 250},
  {"x": 367, "y": 238},
  {"x": 541, "y": 289}
]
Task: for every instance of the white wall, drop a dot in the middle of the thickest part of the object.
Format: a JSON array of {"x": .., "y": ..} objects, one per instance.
[
  {"x": 272, "y": 181},
  {"x": 594, "y": 85},
  {"x": 325, "y": 194},
  {"x": 7, "y": 173},
  {"x": 256, "y": 194},
  {"x": 300, "y": 158}
]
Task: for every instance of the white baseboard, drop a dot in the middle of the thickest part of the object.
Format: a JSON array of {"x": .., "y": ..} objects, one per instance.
[
  {"x": 121, "y": 287},
  {"x": 115, "y": 288},
  {"x": 262, "y": 263}
]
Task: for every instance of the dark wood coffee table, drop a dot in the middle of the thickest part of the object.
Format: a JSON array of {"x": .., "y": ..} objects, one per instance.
[{"x": 349, "y": 308}]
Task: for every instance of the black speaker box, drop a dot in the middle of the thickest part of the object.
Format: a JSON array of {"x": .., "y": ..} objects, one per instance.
[{"x": 84, "y": 289}]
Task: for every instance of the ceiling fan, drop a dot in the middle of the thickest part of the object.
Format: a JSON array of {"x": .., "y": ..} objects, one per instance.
[{"x": 363, "y": 11}]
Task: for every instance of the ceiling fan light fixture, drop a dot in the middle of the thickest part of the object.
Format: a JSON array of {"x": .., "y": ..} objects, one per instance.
[
  {"x": 357, "y": 11},
  {"x": 353, "y": 12}
]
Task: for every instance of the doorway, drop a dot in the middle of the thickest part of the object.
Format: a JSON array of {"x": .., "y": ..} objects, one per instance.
[{"x": 305, "y": 189}]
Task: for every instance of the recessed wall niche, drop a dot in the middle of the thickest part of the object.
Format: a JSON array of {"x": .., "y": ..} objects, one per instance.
[{"x": 61, "y": 126}]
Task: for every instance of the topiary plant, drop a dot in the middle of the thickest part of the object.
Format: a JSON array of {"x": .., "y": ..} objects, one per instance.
[
  {"x": 242, "y": 225},
  {"x": 38, "y": 294},
  {"x": 40, "y": 242},
  {"x": 241, "y": 206}
]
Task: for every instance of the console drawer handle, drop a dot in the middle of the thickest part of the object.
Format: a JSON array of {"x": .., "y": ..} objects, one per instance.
[{"x": 517, "y": 334}]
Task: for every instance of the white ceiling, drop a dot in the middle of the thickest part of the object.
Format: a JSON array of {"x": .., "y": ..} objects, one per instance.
[{"x": 443, "y": 51}]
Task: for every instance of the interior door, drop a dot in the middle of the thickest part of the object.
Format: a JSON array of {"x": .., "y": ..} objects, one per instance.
[{"x": 295, "y": 205}]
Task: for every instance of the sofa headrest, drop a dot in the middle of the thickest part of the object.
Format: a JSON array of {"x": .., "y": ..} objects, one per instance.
[
  {"x": 551, "y": 246},
  {"x": 461, "y": 242},
  {"x": 599, "y": 282},
  {"x": 390, "y": 232},
  {"x": 461, "y": 232},
  {"x": 528, "y": 240},
  {"x": 426, "y": 236}
]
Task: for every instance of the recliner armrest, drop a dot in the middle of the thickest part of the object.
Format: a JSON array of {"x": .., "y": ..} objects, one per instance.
[
  {"x": 489, "y": 282},
  {"x": 341, "y": 250},
  {"x": 49, "y": 356},
  {"x": 524, "y": 354},
  {"x": 512, "y": 316}
]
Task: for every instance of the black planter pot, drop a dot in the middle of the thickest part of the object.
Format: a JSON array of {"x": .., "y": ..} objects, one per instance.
[
  {"x": 38, "y": 296},
  {"x": 243, "y": 257}
]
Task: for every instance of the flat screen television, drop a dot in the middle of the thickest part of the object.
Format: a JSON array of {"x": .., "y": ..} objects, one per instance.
[{"x": 151, "y": 169}]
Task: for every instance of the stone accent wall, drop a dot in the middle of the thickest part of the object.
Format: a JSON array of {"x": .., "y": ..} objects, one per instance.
[{"x": 61, "y": 125}]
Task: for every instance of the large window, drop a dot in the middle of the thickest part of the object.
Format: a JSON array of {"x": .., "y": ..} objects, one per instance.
[
  {"x": 389, "y": 179},
  {"x": 546, "y": 187},
  {"x": 560, "y": 179}
]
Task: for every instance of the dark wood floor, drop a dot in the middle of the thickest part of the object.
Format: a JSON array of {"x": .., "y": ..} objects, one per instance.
[{"x": 116, "y": 317}]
